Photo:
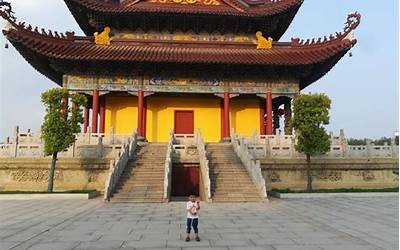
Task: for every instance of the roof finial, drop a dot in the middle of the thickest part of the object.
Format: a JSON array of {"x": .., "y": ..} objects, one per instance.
[
  {"x": 262, "y": 42},
  {"x": 104, "y": 37},
  {"x": 6, "y": 11},
  {"x": 353, "y": 20}
]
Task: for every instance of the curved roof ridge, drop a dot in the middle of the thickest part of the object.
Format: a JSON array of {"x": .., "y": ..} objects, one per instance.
[{"x": 353, "y": 21}]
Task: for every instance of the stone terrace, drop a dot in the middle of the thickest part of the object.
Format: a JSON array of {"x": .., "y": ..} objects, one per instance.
[{"x": 345, "y": 223}]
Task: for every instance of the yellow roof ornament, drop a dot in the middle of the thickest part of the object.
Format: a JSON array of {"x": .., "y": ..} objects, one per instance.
[
  {"x": 262, "y": 42},
  {"x": 104, "y": 37}
]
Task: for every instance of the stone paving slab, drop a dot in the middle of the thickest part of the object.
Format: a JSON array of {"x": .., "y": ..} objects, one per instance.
[
  {"x": 333, "y": 195},
  {"x": 329, "y": 223}
]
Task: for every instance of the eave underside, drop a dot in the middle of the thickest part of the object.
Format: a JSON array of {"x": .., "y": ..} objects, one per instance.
[
  {"x": 56, "y": 55},
  {"x": 55, "y": 68}
]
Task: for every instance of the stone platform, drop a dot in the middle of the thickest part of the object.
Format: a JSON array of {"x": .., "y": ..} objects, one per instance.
[{"x": 330, "y": 223}]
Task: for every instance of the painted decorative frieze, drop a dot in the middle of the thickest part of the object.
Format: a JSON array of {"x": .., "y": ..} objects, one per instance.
[
  {"x": 187, "y": 2},
  {"x": 181, "y": 85}
]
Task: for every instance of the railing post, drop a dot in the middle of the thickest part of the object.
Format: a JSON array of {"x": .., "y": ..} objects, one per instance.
[
  {"x": 99, "y": 147},
  {"x": 73, "y": 149},
  {"x": 16, "y": 141},
  {"x": 369, "y": 148}
]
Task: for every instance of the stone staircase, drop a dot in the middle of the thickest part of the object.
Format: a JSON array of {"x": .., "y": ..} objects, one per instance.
[
  {"x": 230, "y": 181},
  {"x": 143, "y": 178}
]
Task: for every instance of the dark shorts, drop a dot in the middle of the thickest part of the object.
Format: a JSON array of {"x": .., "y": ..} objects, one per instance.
[{"x": 192, "y": 223}]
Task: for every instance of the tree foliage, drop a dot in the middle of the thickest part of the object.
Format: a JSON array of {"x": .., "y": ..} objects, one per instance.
[
  {"x": 61, "y": 122},
  {"x": 311, "y": 112},
  {"x": 60, "y": 125},
  {"x": 378, "y": 142}
]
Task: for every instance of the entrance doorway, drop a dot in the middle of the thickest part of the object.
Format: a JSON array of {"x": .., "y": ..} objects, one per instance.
[
  {"x": 184, "y": 122},
  {"x": 185, "y": 181}
]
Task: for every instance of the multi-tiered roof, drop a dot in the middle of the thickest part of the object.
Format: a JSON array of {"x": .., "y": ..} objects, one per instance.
[{"x": 189, "y": 37}]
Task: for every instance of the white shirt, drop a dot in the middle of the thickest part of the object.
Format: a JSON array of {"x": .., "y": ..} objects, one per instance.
[{"x": 190, "y": 205}]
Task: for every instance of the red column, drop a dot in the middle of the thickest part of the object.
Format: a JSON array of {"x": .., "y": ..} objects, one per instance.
[
  {"x": 144, "y": 117},
  {"x": 140, "y": 113},
  {"x": 102, "y": 114},
  {"x": 222, "y": 119},
  {"x": 95, "y": 110},
  {"x": 226, "y": 127},
  {"x": 262, "y": 118},
  {"x": 85, "y": 119},
  {"x": 269, "y": 129}
]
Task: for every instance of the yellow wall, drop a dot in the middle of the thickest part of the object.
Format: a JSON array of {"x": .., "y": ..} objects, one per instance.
[
  {"x": 160, "y": 116},
  {"x": 121, "y": 114},
  {"x": 245, "y": 115}
]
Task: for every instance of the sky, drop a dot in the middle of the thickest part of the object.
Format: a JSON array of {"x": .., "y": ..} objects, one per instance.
[{"x": 363, "y": 88}]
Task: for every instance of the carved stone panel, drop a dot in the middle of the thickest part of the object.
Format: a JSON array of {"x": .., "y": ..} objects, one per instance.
[
  {"x": 36, "y": 175},
  {"x": 274, "y": 176},
  {"x": 328, "y": 175}
]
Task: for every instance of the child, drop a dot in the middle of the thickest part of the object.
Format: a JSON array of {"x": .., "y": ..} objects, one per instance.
[{"x": 192, "y": 207}]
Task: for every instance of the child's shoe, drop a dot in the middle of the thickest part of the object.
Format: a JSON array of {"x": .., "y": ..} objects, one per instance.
[
  {"x": 197, "y": 238},
  {"x": 187, "y": 239}
]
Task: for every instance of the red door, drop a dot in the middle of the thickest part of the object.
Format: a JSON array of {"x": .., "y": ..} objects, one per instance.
[
  {"x": 185, "y": 181},
  {"x": 184, "y": 122}
]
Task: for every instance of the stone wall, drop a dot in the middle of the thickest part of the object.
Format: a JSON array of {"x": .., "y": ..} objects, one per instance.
[
  {"x": 331, "y": 173},
  {"x": 31, "y": 174}
]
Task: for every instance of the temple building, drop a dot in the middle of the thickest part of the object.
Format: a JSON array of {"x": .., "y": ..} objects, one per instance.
[{"x": 161, "y": 65}]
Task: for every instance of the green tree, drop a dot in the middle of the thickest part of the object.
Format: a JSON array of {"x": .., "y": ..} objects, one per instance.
[
  {"x": 60, "y": 125},
  {"x": 311, "y": 112},
  {"x": 357, "y": 142}
]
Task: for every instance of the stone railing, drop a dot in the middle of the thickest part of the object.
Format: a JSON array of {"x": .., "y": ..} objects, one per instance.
[
  {"x": 185, "y": 139},
  {"x": 204, "y": 166},
  {"x": 168, "y": 168},
  {"x": 86, "y": 146},
  {"x": 283, "y": 146},
  {"x": 118, "y": 165},
  {"x": 185, "y": 148},
  {"x": 251, "y": 164}
]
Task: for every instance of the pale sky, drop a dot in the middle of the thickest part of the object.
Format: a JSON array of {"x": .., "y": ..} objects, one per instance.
[{"x": 363, "y": 88}]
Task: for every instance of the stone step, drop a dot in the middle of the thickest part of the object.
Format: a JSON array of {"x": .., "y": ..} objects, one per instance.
[
  {"x": 141, "y": 184},
  {"x": 142, "y": 177},
  {"x": 138, "y": 195},
  {"x": 230, "y": 181},
  {"x": 138, "y": 200},
  {"x": 142, "y": 188},
  {"x": 237, "y": 200},
  {"x": 150, "y": 160},
  {"x": 235, "y": 192},
  {"x": 228, "y": 171},
  {"x": 144, "y": 173},
  {"x": 138, "y": 189},
  {"x": 222, "y": 192}
]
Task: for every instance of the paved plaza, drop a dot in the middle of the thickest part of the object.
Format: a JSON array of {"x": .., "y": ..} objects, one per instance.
[{"x": 325, "y": 223}]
